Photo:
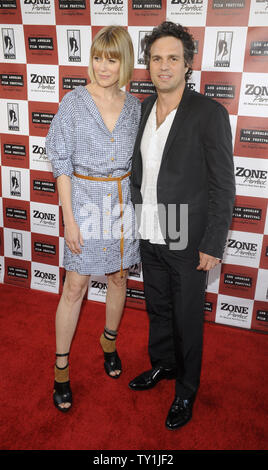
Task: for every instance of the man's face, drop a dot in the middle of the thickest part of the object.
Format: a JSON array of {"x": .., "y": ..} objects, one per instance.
[{"x": 167, "y": 67}]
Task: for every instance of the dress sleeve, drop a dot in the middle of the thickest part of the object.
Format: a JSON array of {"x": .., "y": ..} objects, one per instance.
[{"x": 60, "y": 143}]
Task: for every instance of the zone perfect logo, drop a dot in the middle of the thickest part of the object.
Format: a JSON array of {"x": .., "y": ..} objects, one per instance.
[
  {"x": 40, "y": 152},
  {"x": 112, "y": 6},
  {"x": 44, "y": 217},
  {"x": 42, "y": 82},
  {"x": 189, "y": 5},
  {"x": 259, "y": 92},
  {"x": 44, "y": 276},
  {"x": 252, "y": 176},
  {"x": 38, "y": 5},
  {"x": 234, "y": 308},
  {"x": 45, "y": 82},
  {"x": 242, "y": 247}
]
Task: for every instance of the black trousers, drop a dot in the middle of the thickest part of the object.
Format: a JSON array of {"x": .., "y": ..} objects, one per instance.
[{"x": 174, "y": 292}]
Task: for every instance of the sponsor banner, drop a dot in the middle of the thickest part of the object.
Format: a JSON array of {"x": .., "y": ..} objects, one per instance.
[
  {"x": 74, "y": 44},
  {"x": 61, "y": 251},
  {"x": 251, "y": 137},
  {"x": 213, "y": 279},
  {"x": 45, "y": 277},
  {"x": 105, "y": 12},
  {"x": 135, "y": 295},
  {"x": 2, "y": 268},
  {"x": 258, "y": 15},
  {"x": 17, "y": 243},
  {"x": 10, "y": 12},
  {"x": 97, "y": 288},
  {"x": 70, "y": 78},
  {"x": 223, "y": 87},
  {"x": 228, "y": 12},
  {"x": 260, "y": 316},
  {"x": 13, "y": 81},
  {"x": 256, "y": 53},
  {"x": 17, "y": 272},
  {"x": 43, "y": 187},
  {"x": 251, "y": 176},
  {"x": 1, "y": 241},
  {"x": 233, "y": 122},
  {"x": 15, "y": 183},
  {"x": 223, "y": 48},
  {"x": 61, "y": 222},
  {"x": 249, "y": 214},
  {"x": 41, "y": 44},
  {"x": 135, "y": 272},
  {"x": 254, "y": 95},
  {"x": 14, "y": 117},
  {"x": 147, "y": 12},
  {"x": 264, "y": 253},
  {"x": 266, "y": 224},
  {"x": 238, "y": 281},
  {"x": 187, "y": 12},
  {"x": 40, "y": 117},
  {"x": 15, "y": 150},
  {"x": 73, "y": 12},
  {"x": 12, "y": 47},
  {"x": 61, "y": 278},
  {"x": 40, "y": 12},
  {"x": 194, "y": 81},
  {"x": 137, "y": 35},
  {"x": 16, "y": 214},
  {"x": 262, "y": 286},
  {"x": 140, "y": 84},
  {"x": 38, "y": 156},
  {"x": 198, "y": 35},
  {"x": 234, "y": 311},
  {"x": 45, "y": 249},
  {"x": 44, "y": 218},
  {"x": 243, "y": 249},
  {"x": 210, "y": 306},
  {"x": 43, "y": 83}
]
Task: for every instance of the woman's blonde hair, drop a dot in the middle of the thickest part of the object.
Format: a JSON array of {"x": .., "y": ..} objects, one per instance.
[{"x": 113, "y": 42}]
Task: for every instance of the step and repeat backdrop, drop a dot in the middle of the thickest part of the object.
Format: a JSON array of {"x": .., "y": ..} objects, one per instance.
[{"x": 44, "y": 53}]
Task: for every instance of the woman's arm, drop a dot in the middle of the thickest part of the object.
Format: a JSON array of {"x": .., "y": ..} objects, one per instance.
[{"x": 72, "y": 233}]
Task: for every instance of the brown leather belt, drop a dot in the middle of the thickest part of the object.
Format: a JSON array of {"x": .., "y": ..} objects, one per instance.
[{"x": 119, "y": 187}]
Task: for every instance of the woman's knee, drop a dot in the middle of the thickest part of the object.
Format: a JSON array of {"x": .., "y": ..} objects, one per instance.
[
  {"x": 75, "y": 286},
  {"x": 117, "y": 280}
]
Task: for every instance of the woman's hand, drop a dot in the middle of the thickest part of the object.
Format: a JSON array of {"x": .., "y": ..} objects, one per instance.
[{"x": 73, "y": 238}]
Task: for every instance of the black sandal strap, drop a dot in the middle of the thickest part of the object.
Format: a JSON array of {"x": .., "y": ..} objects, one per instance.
[
  {"x": 111, "y": 333},
  {"x": 62, "y": 355}
]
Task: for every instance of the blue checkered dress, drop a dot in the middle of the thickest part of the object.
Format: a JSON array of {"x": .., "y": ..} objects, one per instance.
[{"x": 78, "y": 141}]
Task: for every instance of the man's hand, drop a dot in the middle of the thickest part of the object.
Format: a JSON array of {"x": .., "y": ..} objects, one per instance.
[
  {"x": 73, "y": 238},
  {"x": 206, "y": 262}
]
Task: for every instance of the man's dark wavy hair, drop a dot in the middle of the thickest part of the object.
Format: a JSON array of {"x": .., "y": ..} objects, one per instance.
[{"x": 167, "y": 28}]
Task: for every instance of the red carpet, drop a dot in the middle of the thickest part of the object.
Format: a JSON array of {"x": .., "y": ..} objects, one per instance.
[{"x": 230, "y": 412}]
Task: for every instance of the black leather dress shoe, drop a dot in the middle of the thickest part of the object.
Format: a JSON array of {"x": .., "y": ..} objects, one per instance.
[
  {"x": 180, "y": 413},
  {"x": 150, "y": 378}
]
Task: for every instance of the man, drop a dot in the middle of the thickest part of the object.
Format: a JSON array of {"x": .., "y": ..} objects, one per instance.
[{"x": 183, "y": 190}]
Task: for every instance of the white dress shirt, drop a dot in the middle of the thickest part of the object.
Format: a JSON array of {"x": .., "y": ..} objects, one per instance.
[{"x": 152, "y": 146}]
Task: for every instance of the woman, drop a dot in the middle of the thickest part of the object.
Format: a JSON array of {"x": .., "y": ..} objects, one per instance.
[{"x": 90, "y": 144}]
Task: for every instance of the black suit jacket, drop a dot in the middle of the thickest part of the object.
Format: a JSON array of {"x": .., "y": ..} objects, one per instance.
[{"x": 196, "y": 169}]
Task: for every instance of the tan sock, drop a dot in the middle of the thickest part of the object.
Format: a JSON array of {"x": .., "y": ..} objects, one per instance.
[
  {"x": 107, "y": 344},
  {"x": 61, "y": 375}
]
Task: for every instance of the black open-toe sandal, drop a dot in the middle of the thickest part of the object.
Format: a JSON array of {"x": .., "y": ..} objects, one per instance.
[
  {"x": 62, "y": 390},
  {"x": 112, "y": 361}
]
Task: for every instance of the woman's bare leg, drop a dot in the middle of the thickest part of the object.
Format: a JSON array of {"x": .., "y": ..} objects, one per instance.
[{"x": 67, "y": 314}]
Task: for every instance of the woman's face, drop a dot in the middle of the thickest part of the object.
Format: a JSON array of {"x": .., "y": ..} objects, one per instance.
[{"x": 106, "y": 70}]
